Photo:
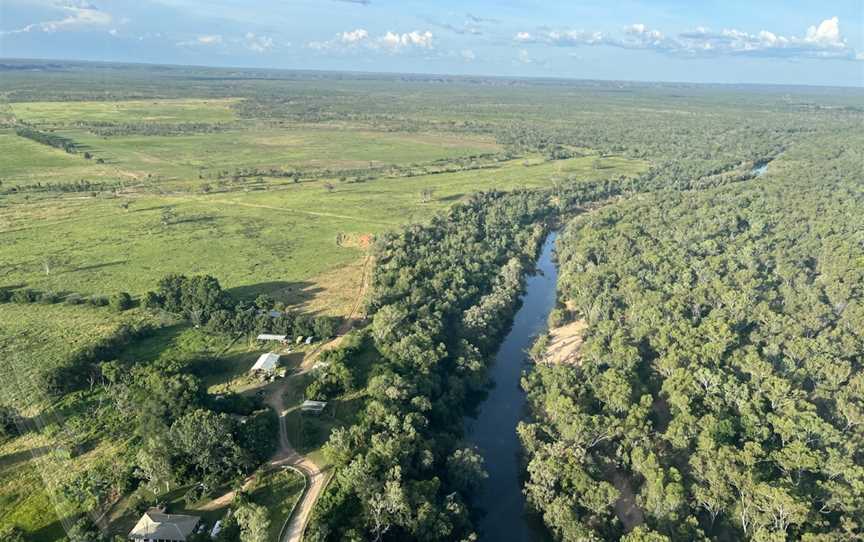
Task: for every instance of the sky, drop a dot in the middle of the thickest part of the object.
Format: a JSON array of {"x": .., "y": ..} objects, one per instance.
[{"x": 718, "y": 41}]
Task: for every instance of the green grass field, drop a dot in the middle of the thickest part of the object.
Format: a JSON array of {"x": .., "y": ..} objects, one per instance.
[
  {"x": 278, "y": 240},
  {"x": 185, "y": 156},
  {"x": 165, "y": 111},
  {"x": 24, "y": 162}
]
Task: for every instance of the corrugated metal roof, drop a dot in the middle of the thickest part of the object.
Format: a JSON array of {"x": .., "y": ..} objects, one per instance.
[
  {"x": 155, "y": 525},
  {"x": 266, "y": 362}
]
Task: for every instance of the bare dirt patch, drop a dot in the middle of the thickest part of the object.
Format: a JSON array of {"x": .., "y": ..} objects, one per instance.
[{"x": 564, "y": 343}]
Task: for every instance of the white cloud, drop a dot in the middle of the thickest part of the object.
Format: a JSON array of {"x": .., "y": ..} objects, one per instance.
[
  {"x": 468, "y": 55},
  {"x": 113, "y": 31},
  {"x": 524, "y": 57},
  {"x": 360, "y": 38},
  {"x": 354, "y": 36},
  {"x": 827, "y": 32},
  {"x": 213, "y": 39},
  {"x": 258, "y": 44},
  {"x": 411, "y": 39},
  {"x": 820, "y": 41},
  {"x": 78, "y": 15}
]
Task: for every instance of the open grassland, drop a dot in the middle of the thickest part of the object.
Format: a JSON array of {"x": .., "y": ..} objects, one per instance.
[
  {"x": 36, "y": 337},
  {"x": 280, "y": 241},
  {"x": 187, "y": 156},
  {"x": 24, "y": 162},
  {"x": 165, "y": 111}
]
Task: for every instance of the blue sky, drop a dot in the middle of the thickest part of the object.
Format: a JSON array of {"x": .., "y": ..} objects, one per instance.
[{"x": 733, "y": 41}]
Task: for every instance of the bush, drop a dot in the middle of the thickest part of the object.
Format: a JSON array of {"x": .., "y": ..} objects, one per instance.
[
  {"x": 121, "y": 301},
  {"x": 73, "y": 299},
  {"x": 152, "y": 300},
  {"x": 98, "y": 301},
  {"x": 558, "y": 317},
  {"x": 48, "y": 298},
  {"x": 325, "y": 326},
  {"x": 26, "y": 295},
  {"x": 5, "y": 295}
]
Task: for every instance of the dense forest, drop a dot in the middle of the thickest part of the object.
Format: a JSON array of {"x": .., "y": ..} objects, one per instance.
[{"x": 719, "y": 393}]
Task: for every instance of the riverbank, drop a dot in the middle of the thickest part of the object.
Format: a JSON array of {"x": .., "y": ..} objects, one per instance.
[{"x": 493, "y": 431}]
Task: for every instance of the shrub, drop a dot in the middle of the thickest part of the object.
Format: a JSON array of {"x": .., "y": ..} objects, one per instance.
[
  {"x": 121, "y": 301},
  {"x": 557, "y": 317},
  {"x": 48, "y": 298},
  {"x": 26, "y": 295},
  {"x": 73, "y": 299},
  {"x": 5, "y": 295},
  {"x": 98, "y": 300},
  {"x": 152, "y": 300}
]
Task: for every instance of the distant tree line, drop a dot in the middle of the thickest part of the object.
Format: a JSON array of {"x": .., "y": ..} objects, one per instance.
[
  {"x": 444, "y": 165},
  {"x": 118, "y": 129},
  {"x": 83, "y": 185},
  {"x": 48, "y": 138}
]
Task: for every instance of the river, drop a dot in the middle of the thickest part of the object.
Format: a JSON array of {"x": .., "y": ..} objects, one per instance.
[{"x": 493, "y": 431}]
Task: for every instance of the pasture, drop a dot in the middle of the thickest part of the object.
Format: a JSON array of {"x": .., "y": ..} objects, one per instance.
[
  {"x": 283, "y": 239},
  {"x": 157, "y": 111}
]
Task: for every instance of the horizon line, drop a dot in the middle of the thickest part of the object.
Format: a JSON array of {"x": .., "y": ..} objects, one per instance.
[{"x": 437, "y": 74}]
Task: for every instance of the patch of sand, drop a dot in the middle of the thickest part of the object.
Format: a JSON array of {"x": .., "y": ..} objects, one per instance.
[{"x": 564, "y": 343}]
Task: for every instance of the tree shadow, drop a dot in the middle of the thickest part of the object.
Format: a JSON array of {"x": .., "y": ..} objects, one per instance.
[
  {"x": 293, "y": 293},
  {"x": 194, "y": 220},
  {"x": 52, "y": 531},
  {"x": 94, "y": 266},
  {"x": 454, "y": 197},
  {"x": 10, "y": 460}
]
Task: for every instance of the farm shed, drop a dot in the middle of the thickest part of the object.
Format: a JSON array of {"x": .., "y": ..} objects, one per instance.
[
  {"x": 272, "y": 337},
  {"x": 266, "y": 363},
  {"x": 313, "y": 406},
  {"x": 155, "y": 525}
]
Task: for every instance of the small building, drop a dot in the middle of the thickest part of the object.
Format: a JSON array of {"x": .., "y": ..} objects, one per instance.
[
  {"x": 314, "y": 407},
  {"x": 271, "y": 337},
  {"x": 157, "y": 526},
  {"x": 266, "y": 363}
]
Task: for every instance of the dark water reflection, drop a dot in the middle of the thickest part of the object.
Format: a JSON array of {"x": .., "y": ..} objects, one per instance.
[{"x": 494, "y": 429}]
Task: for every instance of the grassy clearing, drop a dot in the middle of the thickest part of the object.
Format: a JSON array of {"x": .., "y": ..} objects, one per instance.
[
  {"x": 277, "y": 491},
  {"x": 36, "y": 337},
  {"x": 164, "y": 111},
  {"x": 187, "y": 156},
  {"x": 282, "y": 241},
  {"x": 24, "y": 161}
]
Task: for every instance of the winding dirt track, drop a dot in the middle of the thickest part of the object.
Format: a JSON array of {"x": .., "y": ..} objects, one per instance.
[
  {"x": 288, "y": 456},
  {"x": 316, "y": 479}
]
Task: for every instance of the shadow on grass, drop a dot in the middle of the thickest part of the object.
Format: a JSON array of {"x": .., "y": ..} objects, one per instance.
[
  {"x": 10, "y": 460},
  {"x": 454, "y": 197},
  {"x": 52, "y": 531},
  {"x": 294, "y": 293},
  {"x": 94, "y": 266}
]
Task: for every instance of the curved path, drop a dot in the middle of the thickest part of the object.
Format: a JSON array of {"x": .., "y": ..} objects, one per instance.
[
  {"x": 316, "y": 479},
  {"x": 288, "y": 456}
]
